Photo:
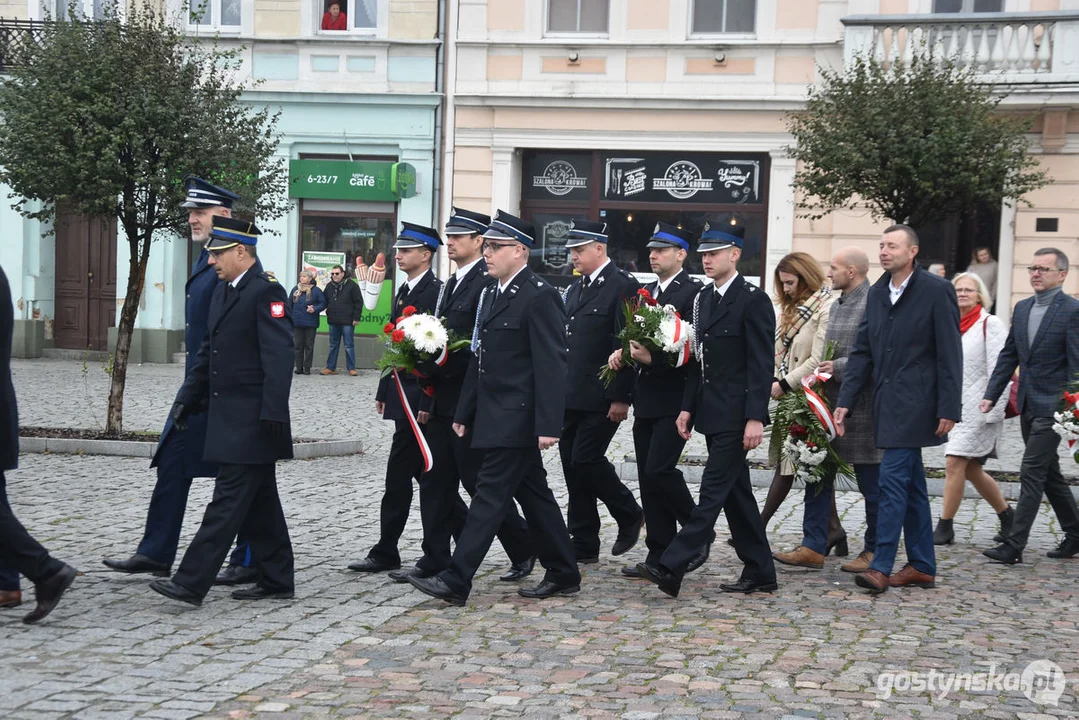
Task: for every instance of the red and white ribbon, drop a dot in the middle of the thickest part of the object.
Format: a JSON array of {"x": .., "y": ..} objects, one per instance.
[
  {"x": 443, "y": 356},
  {"x": 683, "y": 355},
  {"x": 817, "y": 405},
  {"x": 425, "y": 449}
]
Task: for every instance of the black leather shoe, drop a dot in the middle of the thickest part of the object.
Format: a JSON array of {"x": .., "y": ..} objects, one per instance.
[
  {"x": 177, "y": 592},
  {"x": 139, "y": 564},
  {"x": 627, "y": 537},
  {"x": 631, "y": 571},
  {"x": 436, "y": 588},
  {"x": 260, "y": 593},
  {"x": 519, "y": 571},
  {"x": 1067, "y": 549},
  {"x": 700, "y": 558},
  {"x": 587, "y": 559},
  {"x": 548, "y": 589},
  {"x": 1004, "y": 554},
  {"x": 749, "y": 585},
  {"x": 667, "y": 581},
  {"x": 401, "y": 576},
  {"x": 48, "y": 592},
  {"x": 370, "y": 565},
  {"x": 237, "y": 575}
]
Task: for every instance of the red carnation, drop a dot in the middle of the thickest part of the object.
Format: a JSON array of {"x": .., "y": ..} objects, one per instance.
[
  {"x": 643, "y": 292},
  {"x": 388, "y": 328},
  {"x": 429, "y": 390},
  {"x": 409, "y": 311},
  {"x": 797, "y": 431},
  {"x": 398, "y": 336}
]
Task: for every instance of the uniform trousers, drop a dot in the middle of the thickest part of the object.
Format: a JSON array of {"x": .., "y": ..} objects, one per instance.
[
  {"x": 818, "y": 508},
  {"x": 1039, "y": 475},
  {"x": 404, "y": 465},
  {"x": 245, "y": 497},
  {"x": 168, "y": 503},
  {"x": 509, "y": 473},
  {"x": 904, "y": 509},
  {"x": 665, "y": 497},
  {"x": 20, "y": 553},
  {"x": 590, "y": 476},
  {"x": 725, "y": 487},
  {"x": 442, "y": 511}
]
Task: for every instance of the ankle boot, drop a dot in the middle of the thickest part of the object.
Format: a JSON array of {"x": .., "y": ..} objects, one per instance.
[
  {"x": 944, "y": 534},
  {"x": 1007, "y": 517}
]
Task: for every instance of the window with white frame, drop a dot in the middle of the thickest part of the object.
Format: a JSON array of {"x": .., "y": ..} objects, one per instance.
[
  {"x": 967, "y": 6},
  {"x": 223, "y": 14},
  {"x": 361, "y": 15},
  {"x": 577, "y": 16},
  {"x": 83, "y": 9},
  {"x": 724, "y": 16}
]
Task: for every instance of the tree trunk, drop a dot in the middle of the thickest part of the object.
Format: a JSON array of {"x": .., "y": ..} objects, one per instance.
[{"x": 139, "y": 251}]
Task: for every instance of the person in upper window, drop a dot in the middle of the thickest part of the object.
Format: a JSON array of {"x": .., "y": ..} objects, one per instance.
[{"x": 334, "y": 19}]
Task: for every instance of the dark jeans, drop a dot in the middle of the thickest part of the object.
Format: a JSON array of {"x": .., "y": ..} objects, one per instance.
[
  {"x": 1040, "y": 475},
  {"x": 818, "y": 506},
  {"x": 304, "y": 340},
  {"x": 337, "y": 334},
  {"x": 9, "y": 579},
  {"x": 904, "y": 509},
  {"x": 19, "y": 552}
]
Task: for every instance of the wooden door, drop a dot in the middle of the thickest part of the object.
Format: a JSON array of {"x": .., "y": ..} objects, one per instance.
[{"x": 85, "y": 281}]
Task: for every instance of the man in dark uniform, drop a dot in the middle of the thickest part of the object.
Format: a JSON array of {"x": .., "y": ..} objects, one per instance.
[
  {"x": 657, "y": 400},
  {"x": 19, "y": 552},
  {"x": 179, "y": 453},
  {"x": 727, "y": 396},
  {"x": 455, "y": 460},
  {"x": 594, "y": 311},
  {"x": 416, "y": 247},
  {"x": 243, "y": 372},
  {"x": 512, "y": 406}
]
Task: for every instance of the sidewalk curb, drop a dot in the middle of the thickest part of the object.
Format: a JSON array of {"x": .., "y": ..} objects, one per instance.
[{"x": 133, "y": 448}]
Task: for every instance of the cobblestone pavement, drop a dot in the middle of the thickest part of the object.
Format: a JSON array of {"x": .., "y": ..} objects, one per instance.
[{"x": 352, "y": 645}]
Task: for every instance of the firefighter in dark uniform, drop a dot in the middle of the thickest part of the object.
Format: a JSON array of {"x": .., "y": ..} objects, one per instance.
[
  {"x": 512, "y": 408},
  {"x": 657, "y": 400},
  {"x": 416, "y": 247},
  {"x": 727, "y": 399},
  {"x": 594, "y": 317},
  {"x": 455, "y": 460},
  {"x": 179, "y": 455},
  {"x": 243, "y": 374}
]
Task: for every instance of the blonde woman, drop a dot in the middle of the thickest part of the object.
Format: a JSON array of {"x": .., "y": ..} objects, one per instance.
[{"x": 974, "y": 440}]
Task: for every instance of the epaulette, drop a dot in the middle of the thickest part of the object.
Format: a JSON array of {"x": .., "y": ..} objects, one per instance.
[
  {"x": 540, "y": 283},
  {"x": 626, "y": 274},
  {"x": 267, "y": 275}
]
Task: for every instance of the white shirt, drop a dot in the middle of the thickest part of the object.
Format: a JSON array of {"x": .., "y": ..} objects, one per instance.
[
  {"x": 595, "y": 275},
  {"x": 897, "y": 292},
  {"x": 463, "y": 270},
  {"x": 722, "y": 289},
  {"x": 415, "y": 281},
  {"x": 662, "y": 285},
  {"x": 502, "y": 286},
  {"x": 236, "y": 280}
]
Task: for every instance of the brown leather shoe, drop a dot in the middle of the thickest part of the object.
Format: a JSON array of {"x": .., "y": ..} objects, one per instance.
[
  {"x": 353, "y": 373},
  {"x": 858, "y": 564},
  {"x": 327, "y": 371},
  {"x": 10, "y": 598},
  {"x": 874, "y": 581},
  {"x": 801, "y": 556},
  {"x": 911, "y": 576}
]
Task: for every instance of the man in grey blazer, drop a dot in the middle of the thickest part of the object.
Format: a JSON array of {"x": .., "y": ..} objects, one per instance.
[{"x": 1044, "y": 344}]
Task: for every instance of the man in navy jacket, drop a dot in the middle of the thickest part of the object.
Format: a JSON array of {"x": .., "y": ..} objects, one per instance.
[{"x": 909, "y": 346}]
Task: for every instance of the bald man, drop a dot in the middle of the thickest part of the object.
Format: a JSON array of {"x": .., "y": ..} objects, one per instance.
[{"x": 848, "y": 275}]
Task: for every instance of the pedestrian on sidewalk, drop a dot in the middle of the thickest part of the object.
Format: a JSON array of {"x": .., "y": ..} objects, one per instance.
[
  {"x": 974, "y": 440},
  {"x": 305, "y": 305},
  {"x": 344, "y": 308}
]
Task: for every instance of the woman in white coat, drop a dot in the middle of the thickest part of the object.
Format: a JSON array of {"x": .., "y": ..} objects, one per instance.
[{"x": 974, "y": 440}]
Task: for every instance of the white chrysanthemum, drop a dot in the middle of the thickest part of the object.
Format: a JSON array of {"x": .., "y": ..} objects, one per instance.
[
  {"x": 667, "y": 329},
  {"x": 426, "y": 333}
]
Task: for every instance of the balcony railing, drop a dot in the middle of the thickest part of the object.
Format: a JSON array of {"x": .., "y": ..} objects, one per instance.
[
  {"x": 1019, "y": 47},
  {"x": 16, "y": 37}
]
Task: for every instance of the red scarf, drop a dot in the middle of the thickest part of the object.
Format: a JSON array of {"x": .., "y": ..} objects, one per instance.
[{"x": 967, "y": 321}]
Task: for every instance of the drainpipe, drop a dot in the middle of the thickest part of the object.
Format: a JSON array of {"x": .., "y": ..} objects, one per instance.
[
  {"x": 442, "y": 266},
  {"x": 449, "y": 83}
]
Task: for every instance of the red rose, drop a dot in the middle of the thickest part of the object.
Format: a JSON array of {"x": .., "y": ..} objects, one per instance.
[
  {"x": 643, "y": 292},
  {"x": 429, "y": 390},
  {"x": 388, "y": 328},
  {"x": 409, "y": 311},
  {"x": 398, "y": 336}
]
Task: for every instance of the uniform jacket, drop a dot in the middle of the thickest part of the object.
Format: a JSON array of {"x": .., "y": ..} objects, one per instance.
[
  {"x": 731, "y": 380},
  {"x": 660, "y": 387},
  {"x": 512, "y": 392},
  {"x": 344, "y": 302},
  {"x": 911, "y": 355},
  {"x": 423, "y": 298},
  {"x": 244, "y": 371},
  {"x": 297, "y": 309},
  {"x": 198, "y": 292},
  {"x": 594, "y": 319},
  {"x": 458, "y": 308},
  {"x": 1047, "y": 366},
  {"x": 9, "y": 413}
]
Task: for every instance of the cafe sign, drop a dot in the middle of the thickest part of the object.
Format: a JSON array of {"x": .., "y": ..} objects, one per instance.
[
  {"x": 367, "y": 180},
  {"x": 691, "y": 178}
]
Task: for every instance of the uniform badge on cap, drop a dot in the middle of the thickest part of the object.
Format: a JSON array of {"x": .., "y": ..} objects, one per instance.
[
  {"x": 277, "y": 309},
  {"x": 707, "y": 227},
  {"x": 656, "y": 230}
]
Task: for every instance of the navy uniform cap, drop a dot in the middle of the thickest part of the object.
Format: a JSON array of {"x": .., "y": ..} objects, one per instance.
[
  {"x": 202, "y": 194},
  {"x": 466, "y": 222},
  {"x": 510, "y": 227},
  {"x": 582, "y": 232},
  {"x": 413, "y": 235},
  {"x": 666, "y": 235},
  {"x": 713, "y": 238},
  {"x": 229, "y": 232}
]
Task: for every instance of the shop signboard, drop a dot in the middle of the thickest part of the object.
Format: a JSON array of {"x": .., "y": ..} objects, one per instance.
[
  {"x": 372, "y": 321},
  {"x": 557, "y": 176},
  {"x": 366, "y": 180},
  {"x": 681, "y": 178}
]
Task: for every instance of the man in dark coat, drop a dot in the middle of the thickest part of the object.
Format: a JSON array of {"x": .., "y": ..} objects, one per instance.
[
  {"x": 594, "y": 317},
  {"x": 1044, "y": 344},
  {"x": 910, "y": 348},
  {"x": 19, "y": 551},
  {"x": 511, "y": 406},
  {"x": 244, "y": 374},
  {"x": 344, "y": 308},
  {"x": 416, "y": 247},
  {"x": 179, "y": 455},
  {"x": 727, "y": 399}
]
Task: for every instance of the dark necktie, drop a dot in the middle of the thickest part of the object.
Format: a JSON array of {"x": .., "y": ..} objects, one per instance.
[
  {"x": 228, "y": 290},
  {"x": 585, "y": 282},
  {"x": 716, "y": 297},
  {"x": 656, "y": 292},
  {"x": 451, "y": 285}
]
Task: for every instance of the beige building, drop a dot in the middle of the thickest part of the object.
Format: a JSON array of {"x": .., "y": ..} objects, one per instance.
[{"x": 633, "y": 111}]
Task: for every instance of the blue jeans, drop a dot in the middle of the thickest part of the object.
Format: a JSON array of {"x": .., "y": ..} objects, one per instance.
[
  {"x": 904, "y": 508},
  {"x": 818, "y": 506},
  {"x": 337, "y": 333}
]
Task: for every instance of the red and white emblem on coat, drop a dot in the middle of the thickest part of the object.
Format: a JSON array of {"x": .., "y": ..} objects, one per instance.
[{"x": 277, "y": 309}]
